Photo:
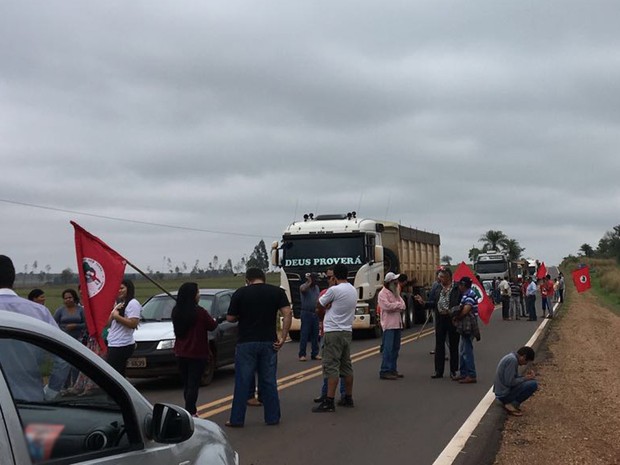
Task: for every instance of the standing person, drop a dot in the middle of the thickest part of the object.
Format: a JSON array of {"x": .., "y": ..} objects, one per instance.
[
  {"x": 392, "y": 305},
  {"x": 524, "y": 307},
  {"x": 331, "y": 281},
  {"x": 70, "y": 317},
  {"x": 556, "y": 289},
  {"x": 339, "y": 304},
  {"x": 544, "y": 296},
  {"x": 561, "y": 288},
  {"x": 467, "y": 324},
  {"x": 509, "y": 387},
  {"x": 256, "y": 308},
  {"x": 530, "y": 299},
  {"x": 515, "y": 299},
  {"x": 123, "y": 321},
  {"x": 309, "y": 293},
  {"x": 447, "y": 296},
  {"x": 550, "y": 291},
  {"x": 37, "y": 295},
  {"x": 504, "y": 292},
  {"x": 191, "y": 324},
  {"x": 20, "y": 360}
]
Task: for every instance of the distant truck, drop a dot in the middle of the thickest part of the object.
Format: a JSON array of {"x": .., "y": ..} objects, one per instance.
[
  {"x": 492, "y": 264},
  {"x": 370, "y": 248}
]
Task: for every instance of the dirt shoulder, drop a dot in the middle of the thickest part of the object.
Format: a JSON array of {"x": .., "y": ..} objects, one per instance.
[{"x": 574, "y": 418}]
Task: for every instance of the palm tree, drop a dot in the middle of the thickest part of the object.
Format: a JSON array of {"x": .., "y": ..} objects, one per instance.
[
  {"x": 493, "y": 240},
  {"x": 473, "y": 254},
  {"x": 513, "y": 249},
  {"x": 446, "y": 259}
]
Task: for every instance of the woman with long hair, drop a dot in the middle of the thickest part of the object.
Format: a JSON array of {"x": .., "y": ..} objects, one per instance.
[
  {"x": 123, "y": 321},
  {"x": 192, "y": 324}
]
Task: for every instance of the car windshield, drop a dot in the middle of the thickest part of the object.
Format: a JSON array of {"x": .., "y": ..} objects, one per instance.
[{"x": 159, "y": 308}]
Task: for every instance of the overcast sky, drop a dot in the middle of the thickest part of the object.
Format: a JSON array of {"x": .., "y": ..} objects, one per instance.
[{"x": 232, "y": 119}]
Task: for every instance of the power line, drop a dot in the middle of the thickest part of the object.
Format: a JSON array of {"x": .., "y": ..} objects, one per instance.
[{"x": 125, "y": 220}]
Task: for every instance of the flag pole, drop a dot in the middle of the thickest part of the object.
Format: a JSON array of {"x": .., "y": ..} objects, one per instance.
[{"x": 149, "y": 278}]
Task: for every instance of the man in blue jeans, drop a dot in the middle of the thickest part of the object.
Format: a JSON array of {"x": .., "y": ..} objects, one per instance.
[
  {"x": 510, "y": 388},
  {"x": 256, "y": 308},
  {"x": 309, "y": 295}
]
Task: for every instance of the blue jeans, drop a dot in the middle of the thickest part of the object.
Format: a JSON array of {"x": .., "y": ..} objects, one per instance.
[
  {"x": 309, "y": 331},
  {"x": 391, "y": 347},
  {"x": 530, "y": 303},
  {"x": 520, "y": 393},
  {"x": 255, "y": 358},
  {"x": 466, "y": 356}
]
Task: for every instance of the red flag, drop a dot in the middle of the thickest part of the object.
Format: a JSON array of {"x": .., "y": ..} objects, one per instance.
[
  {"x": 541, "y": 272},
  {"x": 101, "y": 271},
  {"x": 581, "y": 278},
  {"x": 485, "y": 306}
]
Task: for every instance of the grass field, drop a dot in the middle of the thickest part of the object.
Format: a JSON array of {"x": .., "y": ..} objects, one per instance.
[
  {"x": 145, "y": 289},
  {"x": 605, "y": 276}
]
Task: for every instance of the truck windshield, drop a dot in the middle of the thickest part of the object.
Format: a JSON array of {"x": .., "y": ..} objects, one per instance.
[
  {"x": 491, "y": 267},
  {"x": 316, "y": 253}
]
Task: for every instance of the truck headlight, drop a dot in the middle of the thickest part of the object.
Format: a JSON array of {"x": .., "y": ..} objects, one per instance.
[{"x": 165, "y": 344}]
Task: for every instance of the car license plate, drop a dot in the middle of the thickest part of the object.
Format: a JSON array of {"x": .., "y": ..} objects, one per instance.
[{"x": 136, "y": 362}]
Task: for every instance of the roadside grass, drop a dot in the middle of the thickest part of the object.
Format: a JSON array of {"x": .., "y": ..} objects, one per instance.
[
  {"x": 605, "y": 276},
  {"x": 145, "y": 289}
]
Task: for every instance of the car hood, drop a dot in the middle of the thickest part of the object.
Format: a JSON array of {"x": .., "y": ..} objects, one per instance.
[{"x": 154, "y": 331}]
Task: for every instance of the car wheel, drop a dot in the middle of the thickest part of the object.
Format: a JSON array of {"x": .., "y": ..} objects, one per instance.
[{"x": 207, "y": 376}]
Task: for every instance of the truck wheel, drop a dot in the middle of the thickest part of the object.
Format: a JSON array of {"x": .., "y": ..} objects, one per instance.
[
  {"x": 207, "y": 376},
  {"x": 390, "y": 261},
  {"x": 294, "y": 335}
]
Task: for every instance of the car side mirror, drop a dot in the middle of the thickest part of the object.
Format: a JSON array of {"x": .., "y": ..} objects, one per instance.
[{"x": 171, "y": 424}]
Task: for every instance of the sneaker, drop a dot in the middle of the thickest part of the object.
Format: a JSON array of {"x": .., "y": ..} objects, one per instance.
[
  {"x": 303, "y": 358},
  {"x": 397, "y": 374},
  {"x": 346, "y": 401},
  {"x": 254, "y": 402},
  {"x": 318, "y": 400},
  {"x": 390, "y": 376},
  {"x": 468, "y": 380},
  {"x": 317, "y": 357},
  {"x": 326, "y": 406},
  {"x": 454, "y": 376}
]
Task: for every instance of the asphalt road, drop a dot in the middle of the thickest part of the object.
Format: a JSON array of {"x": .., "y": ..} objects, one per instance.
[{"x": 406, "y": 421}]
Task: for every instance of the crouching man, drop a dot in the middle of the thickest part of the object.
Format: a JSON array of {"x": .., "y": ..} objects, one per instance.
[{"x": 510, "y": 388}]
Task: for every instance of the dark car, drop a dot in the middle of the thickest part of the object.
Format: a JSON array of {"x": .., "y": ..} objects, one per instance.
[{"x": 154, "y": 355}]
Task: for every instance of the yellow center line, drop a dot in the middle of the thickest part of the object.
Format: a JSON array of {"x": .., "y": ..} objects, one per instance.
[{"x": 302, "y": 376}]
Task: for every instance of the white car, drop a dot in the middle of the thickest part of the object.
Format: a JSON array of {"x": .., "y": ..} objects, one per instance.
[{"x": 101, "y": 419}]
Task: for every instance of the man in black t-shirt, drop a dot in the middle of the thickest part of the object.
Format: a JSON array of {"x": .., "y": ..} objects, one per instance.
[{"x": 256, "y": 308}]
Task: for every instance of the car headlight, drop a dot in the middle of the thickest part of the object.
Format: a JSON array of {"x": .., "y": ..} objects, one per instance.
[{"x": 165, "y": 344}]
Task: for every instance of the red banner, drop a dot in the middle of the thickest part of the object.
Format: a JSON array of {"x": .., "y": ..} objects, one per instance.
[
  {"x": 485, "y": 306},
  {"x": 541, "y": 272},
  {"x": 581, "y": 278},
  {"x": 101, "y": 271}
]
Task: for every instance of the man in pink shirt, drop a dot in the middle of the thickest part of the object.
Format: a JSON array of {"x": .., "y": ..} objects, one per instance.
[{"x": 392, "y": 305}]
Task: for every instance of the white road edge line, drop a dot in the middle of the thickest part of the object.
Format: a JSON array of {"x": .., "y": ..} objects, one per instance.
[{"x": 458, "y": 441}]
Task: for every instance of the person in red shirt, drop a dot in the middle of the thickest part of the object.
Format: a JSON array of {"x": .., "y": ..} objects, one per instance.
[
  {"x": 192, "y": 324},
  {"x": 550, "y": 292}
]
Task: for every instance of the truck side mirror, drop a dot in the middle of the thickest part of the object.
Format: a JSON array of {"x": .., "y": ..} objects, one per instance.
[
  {"x": 275, "y": 254},
  {"x": 378, "y": 253}
]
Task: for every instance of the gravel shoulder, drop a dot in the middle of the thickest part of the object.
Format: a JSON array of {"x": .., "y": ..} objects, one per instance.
[{"x": 574, "y": 418}]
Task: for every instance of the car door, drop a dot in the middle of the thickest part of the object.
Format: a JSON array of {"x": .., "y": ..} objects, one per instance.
[
  {"x": 226, "y": 331},
  {"x": 93, "y": 420}
]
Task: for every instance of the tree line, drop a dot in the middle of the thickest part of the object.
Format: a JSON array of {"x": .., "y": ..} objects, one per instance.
[{"x": 608, "y": 246}]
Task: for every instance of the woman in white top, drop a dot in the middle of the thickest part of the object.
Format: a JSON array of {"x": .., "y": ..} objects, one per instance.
[{"x": 123, "y": 321}]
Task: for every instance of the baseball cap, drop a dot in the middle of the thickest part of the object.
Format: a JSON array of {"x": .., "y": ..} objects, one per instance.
[{"x": 389, "y": 277}]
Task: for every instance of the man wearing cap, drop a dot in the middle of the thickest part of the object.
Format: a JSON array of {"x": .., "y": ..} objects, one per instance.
[
  {"x": 392, "y": 305},
  {"x": 468, "y": 309}
]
